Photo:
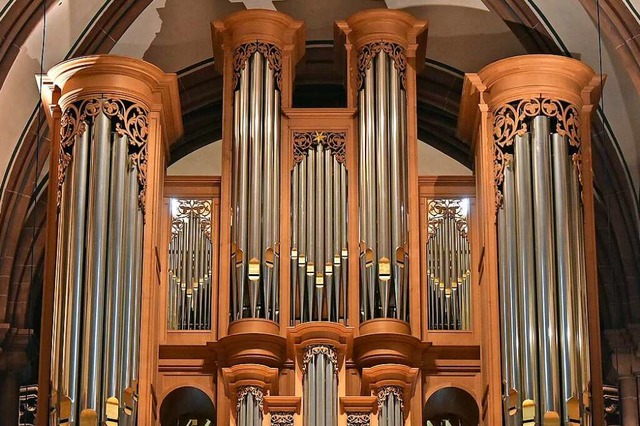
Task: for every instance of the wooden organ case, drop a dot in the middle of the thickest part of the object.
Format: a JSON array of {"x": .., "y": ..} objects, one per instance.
[{"x": 320, "y": 280}]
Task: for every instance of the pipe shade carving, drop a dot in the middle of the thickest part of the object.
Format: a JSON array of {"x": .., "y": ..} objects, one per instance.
[{"x": 319, "y": 256}]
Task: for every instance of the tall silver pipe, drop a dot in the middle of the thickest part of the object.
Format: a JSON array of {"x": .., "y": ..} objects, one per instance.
[
  {"x": 545, "y": 267},
  {"x": 343, "y": 219},
  {"x": 302, "y": 234},
  {"x": 295, "y": 248},
  {"x": 362, "y": 203},
  {"x": 370, "y": 177},
  {"x": 256, "y": 179},
  {"x": 565, "y": 279},
  {"x": 337, "y": 237},
  {"x": 115, "y": 271},
  {"x": 328, "y": 229},
  {"x": 382, "y": 181},
  {"x": 526, "y": 273},
  {"x": 131, "y": 204},
  {"x": 75, "y": 265},
  {"x": 235, "y": 153},
  {"x": 275, "y": 288},
  {"x": 94, "y": 287},
  {"x": 395, "y": 168},
  {"x": 311, "y": 232},
  {"x": 505, "y": 328},
  {"x": 268, "y": 176},
  {"x": 319, "y": 226},
  {"x": 137, "y": 298},
  {"x": 243, "y": 187},
  {"x": 582, "y": 333},
  {"x": 512, "y": 290},
  {"x": 402, "y": 145}
]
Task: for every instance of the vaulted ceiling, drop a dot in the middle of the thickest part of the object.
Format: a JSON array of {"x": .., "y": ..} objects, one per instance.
[{"x": 464, "y": 36}]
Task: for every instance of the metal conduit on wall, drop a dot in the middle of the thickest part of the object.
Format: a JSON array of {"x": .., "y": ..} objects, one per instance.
[
  {"x": 320, "y": 385},
  {"x": 319, "y": 228},
  {"x": 448, "y": 265},
  {"x": 97, "y": 286},
  {"x": 256, "y": 191},
  {"x": 542, "y": 281},
  {"x": 383, "y": 191}
]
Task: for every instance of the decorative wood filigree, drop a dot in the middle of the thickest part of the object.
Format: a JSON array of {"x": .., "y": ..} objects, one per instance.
[
  {"x": 281, "y": 419},
  {"x": 313, "y": 350},
  {"x": 255, "y": 391},
  {"x": 358, "y": 419},
  {"x": 127, "y": 119},
  {"x": 367, "y": 52},
  {"x": 511, "y": 120},
  {"x": 335, "y": 142},
  {"x": 182, "y": 211},
  {"x": 447, "y": 208},
  {"x": 385, "y": 391},
  {"x": 271, "y": 52}
]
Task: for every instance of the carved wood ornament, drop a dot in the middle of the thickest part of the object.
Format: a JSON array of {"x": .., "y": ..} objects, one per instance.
[
  {"x": 127, "y": 118},
  {"x": 281, "y": 419},
  {"x": 358, "y": 419},
  {"x": 367, "y": 52},
  {"x": 312, "y": 350},
  {"x": 385, "y": 391},
  {"x": 510, "y": 120},
  {"x": 257, "y": 393},
  {"x": 271, "y": 52},
  {"x": 335, "y": 142}
]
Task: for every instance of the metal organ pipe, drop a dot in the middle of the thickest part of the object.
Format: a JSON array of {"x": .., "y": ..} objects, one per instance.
[
  {"x": 99, "y": 215},
  {"x": 319, "y": 227},
  {"x": 382, "y": 178},
  {"x": 255, "y": 192},
  {"x": 320, "y": 385},
  {"x": 544, "y": 242}
]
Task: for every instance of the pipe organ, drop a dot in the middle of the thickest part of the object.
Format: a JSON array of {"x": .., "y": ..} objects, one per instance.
[
  {"x": 448, "y": 264},
  {"x": 319, "y": 280}
]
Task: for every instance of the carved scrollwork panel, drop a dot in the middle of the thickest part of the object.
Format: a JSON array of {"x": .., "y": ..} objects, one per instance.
[
  {"x": 335, "y": 142},
  {"x": 271, "y": 52},
  {"x": 128, "y": 119},
  {"x": 281, "y": 419},
  {"x": 358, "y": 419},
  {"x": 329, "y": 351},
  {"x": 511, "y": 120},
  {"x": 367, "y": 52},
  {"x": 183, "y": 211}
]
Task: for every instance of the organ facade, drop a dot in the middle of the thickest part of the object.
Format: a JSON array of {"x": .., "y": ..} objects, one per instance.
[{"x": 320, "y": 280}]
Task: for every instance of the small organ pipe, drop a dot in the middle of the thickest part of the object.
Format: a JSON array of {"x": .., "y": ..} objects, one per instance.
[
  {"x": 302, "y": 228},
  {"x": 319, "y": 227},
  {"x": 94, "y": 287},
  {"x": 337, "y": 237},
  {"x": 311, "y": 232},
  {"x": 328, "y": 232},
  {"x": 343, "y": 218},
  {"x": 505, "y": 329},
  {"x": 395, "y": 178},
  {"x": 295, "y": 247},
  {"x": 276, "y": 207},
  {"x": 363, "y": 205}
]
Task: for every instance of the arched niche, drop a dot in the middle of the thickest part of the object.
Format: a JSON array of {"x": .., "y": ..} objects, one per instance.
[
  {"x": 453, "y": 405},
  {"x": 184, "y": 404}
]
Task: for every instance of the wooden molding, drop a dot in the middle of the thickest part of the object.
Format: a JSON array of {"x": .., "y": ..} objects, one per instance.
[
  {"x": 375, "y": 378},
  {"x": 263, "y": 377},
  {"x": 282, "y": 404}
]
